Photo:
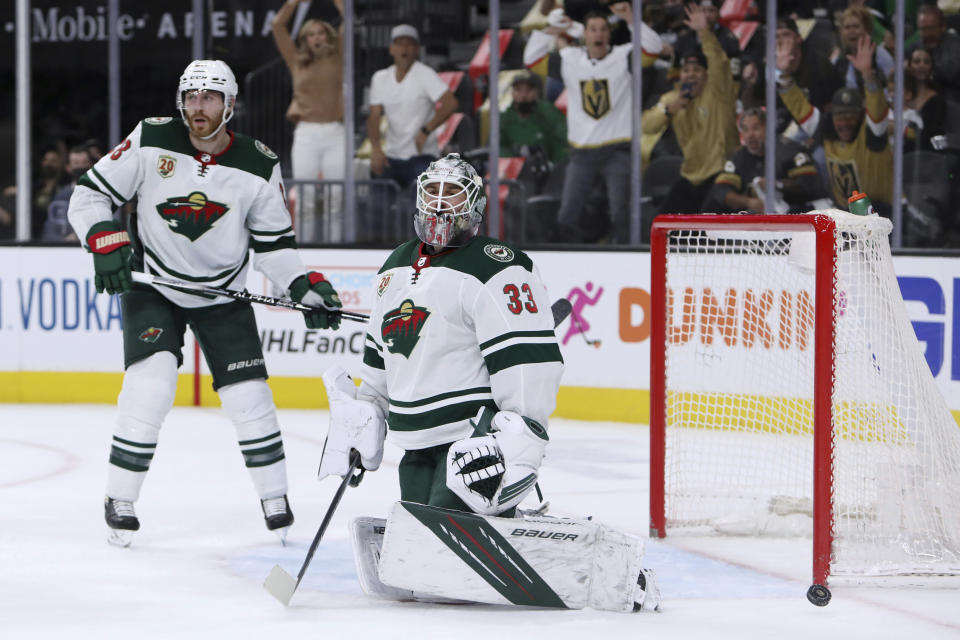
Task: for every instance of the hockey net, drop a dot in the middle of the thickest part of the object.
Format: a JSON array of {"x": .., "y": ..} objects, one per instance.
[{"x": 790, "y": 396}]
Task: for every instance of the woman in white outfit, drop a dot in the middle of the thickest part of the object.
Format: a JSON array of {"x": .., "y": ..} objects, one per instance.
[{"x": 315, "y": 61}]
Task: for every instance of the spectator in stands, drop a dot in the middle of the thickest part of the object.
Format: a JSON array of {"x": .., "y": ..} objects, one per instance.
[
  {"x": 857, "y": 22},
  {"x": 741, "y": 185},
  {"x": 924, "y": 108},
  {"x": 855, "y": 139},
  {"x": 687, "y": 39},
  {"x": 702, "y": 114},
  {"x": 94, "y": 148},
  {"x": 315, "y": 62},
  {"x": 406, "y": 92},
  {"x": 541, "y": 47},
  {"x": 50, "y": 177},
  {"x": 944, "y": 46},
  {"x": 56, "y": 228},
  {"x": 598, "y": 79},
  {"x": 532, "y": 126}
]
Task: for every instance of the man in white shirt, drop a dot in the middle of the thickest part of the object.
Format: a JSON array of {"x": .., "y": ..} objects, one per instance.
[{"x": 406, "y": 92}]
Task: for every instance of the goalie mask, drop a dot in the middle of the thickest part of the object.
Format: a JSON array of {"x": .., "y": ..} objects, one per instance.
[
  {"x": 450, "y": 203},
  {"x": 208, "y": 75}
]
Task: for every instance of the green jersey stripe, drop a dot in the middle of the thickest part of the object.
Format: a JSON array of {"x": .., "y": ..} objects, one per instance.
[
  {"x": 546, "y": 333},
  {"x": 262, "y": 461},
  {"x": 440, "y": 397},
  {"x": 257, "y": 232},
  {"x": 119, "y": 199},
  {"x": 231, "y": 273},
  {"x": 373, "y": 359},
  {"x": 270, "y": 448},
  {"x": 284, "y": 242},
  {"x": 522, "y": 354},
  {"x": 437, "y": 417}
]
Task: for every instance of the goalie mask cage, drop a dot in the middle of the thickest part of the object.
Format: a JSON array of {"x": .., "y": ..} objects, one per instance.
[{"x": 790, "y": 396}]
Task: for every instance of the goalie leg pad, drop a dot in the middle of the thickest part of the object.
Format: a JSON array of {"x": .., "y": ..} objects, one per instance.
[
  {"x": 367, "y": 537},
  {"x": 542, "y": 562}
]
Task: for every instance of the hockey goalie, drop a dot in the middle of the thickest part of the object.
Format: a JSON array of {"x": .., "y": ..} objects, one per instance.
[{"x": 461, "y": 370}]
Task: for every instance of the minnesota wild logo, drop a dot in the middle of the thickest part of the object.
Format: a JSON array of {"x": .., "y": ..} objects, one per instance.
[
  {"x": 191, "y": 215},
  {"x": 401, "y": 327},
  {"x": 150, "y": 334}
]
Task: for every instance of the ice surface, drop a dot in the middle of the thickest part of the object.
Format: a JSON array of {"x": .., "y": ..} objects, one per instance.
[{"x": 196, "y": 567}]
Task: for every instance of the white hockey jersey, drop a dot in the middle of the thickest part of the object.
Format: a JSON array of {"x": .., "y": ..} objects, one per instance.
[
  {"x": 599, "y": 96},
  {"x": 198, "y": 214},
  {"x": 450, "y": 333}
]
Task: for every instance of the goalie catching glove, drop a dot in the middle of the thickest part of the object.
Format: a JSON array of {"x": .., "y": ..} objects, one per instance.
[
  {"x": 493, "y": 473},
  {"x": 354, "y": 424}
]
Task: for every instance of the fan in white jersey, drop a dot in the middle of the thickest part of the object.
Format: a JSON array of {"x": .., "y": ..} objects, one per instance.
[
  {"x": 205, "y": 196},
  {"x": 461, "y": 369}
]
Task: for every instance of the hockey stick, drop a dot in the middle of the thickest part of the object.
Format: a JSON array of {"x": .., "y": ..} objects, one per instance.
[
  {"x": 191, "y": 287},
  {"x": 280, "y": 584}
]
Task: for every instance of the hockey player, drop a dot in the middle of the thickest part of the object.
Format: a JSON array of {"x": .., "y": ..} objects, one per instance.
[
  {"x": 206, "y": 195},
  {"x": 461, "y": 368}
]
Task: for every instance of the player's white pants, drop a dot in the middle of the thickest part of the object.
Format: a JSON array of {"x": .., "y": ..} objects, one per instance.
[
  {"x": 318, "y": 154},
  {"x": 250, "y": 407},
  {"x": 146, "y": 397},
  {"x": 149, "y": 388}
]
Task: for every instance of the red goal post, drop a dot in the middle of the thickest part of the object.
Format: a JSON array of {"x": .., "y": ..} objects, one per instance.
[{"x": 789, "y": 395}]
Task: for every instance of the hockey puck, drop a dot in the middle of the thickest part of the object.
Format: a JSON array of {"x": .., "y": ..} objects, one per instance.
[{"x": 819, "y": 595}]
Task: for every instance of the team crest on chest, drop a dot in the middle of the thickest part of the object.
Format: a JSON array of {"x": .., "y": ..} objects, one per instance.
[
  {"x": 499, "y": 252},
  {"x": 595, "y": 97},
  {"x": 401, "y": 327},
  {"x": 166, "y": 165},
  {"x": 384, "y": 283},
  {"x": 191, "y": 215}
]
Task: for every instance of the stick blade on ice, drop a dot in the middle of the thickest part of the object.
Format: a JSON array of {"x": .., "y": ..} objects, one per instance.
[{"x": 280, "y": 585}]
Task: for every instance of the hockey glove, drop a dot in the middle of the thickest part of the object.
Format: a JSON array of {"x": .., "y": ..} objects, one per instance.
[
  {"x": 494, "y": 473},
  {"x": 313, "y": 290},
  {"x": 354, "y": 424},
  {"x": 110, "y": 246}
]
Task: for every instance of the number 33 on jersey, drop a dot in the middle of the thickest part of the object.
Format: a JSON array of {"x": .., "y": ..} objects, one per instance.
[{"x": 455, "y": 331}]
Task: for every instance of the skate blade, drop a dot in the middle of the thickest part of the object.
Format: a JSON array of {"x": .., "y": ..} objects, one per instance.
[
  {"x": 280, "y": 585},
  {"x": 120, "y": 537},
  {"x": 282, "y": 534}
]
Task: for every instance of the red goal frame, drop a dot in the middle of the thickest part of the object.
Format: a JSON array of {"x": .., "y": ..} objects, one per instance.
[{"x": 824, "y": 344}]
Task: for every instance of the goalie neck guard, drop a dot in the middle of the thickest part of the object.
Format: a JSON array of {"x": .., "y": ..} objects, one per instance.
[
  {"x": 450, "y": 203},
  {"x": 209, "y": 75}
]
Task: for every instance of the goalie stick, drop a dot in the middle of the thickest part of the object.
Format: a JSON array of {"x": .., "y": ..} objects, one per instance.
[
  {"x": 280, "y": 584},
  {"x": 200, "y": 289}
]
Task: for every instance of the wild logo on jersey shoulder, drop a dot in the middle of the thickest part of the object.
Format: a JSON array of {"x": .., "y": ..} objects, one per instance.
[
  {"x": 401, "y": 327},
  {"x": 264, "y": 149},
  {"x": 158, "y": 120},
  {"x": 191, "y": 215},
  {"x": 150, "y": 334},
  {"x": 499, "y": 252},
  {"x": 595, "y": 97}
]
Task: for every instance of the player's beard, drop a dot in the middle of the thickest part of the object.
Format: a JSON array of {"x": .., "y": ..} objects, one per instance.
[{"x": 205, "y": 130}]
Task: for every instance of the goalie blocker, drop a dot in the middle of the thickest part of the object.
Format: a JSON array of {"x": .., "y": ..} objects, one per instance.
[{"x": 440, "y": 555}]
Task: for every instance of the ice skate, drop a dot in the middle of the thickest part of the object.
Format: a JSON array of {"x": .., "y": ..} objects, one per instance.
[
  {"x": 122, "y": 521},
  {"x": 277, "y": 515},
  {"x": 646, "y": 597}
]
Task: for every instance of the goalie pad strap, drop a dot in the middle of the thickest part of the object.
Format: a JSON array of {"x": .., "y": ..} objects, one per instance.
[{"x": 543, "y": 562}]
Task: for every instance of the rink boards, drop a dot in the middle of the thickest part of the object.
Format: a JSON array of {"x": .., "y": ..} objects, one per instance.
[{"x": 61, "y": 342}]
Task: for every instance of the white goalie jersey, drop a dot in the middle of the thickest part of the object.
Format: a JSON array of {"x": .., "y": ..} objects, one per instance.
[
  {"x": 198, "y": 214},
  {"x": 457, "y": 331}
]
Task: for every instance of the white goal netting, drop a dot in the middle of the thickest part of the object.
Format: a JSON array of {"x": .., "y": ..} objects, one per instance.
[{"x": 739, "y": 454}]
